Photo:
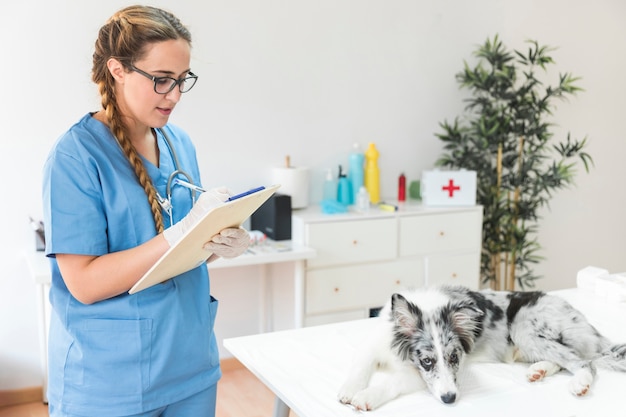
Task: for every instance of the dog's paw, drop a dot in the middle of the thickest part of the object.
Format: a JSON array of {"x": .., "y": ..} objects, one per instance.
[
  {"x": 365, "y": 399},
  {"x": 345, "y": 398},
  {"x": 369, "y": 399},
  {"x": 359, "y": 401},
  {"x": 539, "y": 370},
  {"x": 348, "y": 391},
  {"x": 535, "y": 375},
  {"x": 581, "y": 382}
]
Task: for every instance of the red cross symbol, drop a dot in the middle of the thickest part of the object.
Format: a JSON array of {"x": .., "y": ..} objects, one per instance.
[{"x": 451, "y": 188}]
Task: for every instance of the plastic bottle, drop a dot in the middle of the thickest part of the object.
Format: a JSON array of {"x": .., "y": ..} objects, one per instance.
[
  {"x": 372, "y": 173},
  {"x": 330, "y": 186},
  {"x": 355, "y": 170},
  {"x": 363, "y": 200},
  {"x": 344, "y": 190},
  {"x": 402, "y": 188}
]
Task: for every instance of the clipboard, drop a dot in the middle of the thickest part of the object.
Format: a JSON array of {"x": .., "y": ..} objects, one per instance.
[{"x": 187, "y": 253}]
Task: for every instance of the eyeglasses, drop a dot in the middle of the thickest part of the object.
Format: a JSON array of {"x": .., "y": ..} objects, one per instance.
[{"x": 163, "y": 85}]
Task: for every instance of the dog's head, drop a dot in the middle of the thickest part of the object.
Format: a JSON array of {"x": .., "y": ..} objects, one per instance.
[{"x": 435, "y": 341}]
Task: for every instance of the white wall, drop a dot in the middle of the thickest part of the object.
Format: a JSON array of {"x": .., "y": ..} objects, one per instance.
[{"x": 309, "y": 78}]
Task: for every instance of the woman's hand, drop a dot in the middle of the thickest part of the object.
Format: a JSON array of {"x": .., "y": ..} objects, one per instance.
[
  {"x": 206, "y": 201},
  {"x": 229, "y": 243}
]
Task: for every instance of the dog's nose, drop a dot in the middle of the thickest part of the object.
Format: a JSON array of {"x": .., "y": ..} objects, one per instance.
[{"x": 448, "y": 397}]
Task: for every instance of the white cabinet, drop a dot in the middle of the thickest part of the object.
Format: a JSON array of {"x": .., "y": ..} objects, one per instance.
[
  {"x": 358, "y": 286},
  {"x": 350, "y": 242},
  {"x": 439, "y": 232},
  {"x": 364, "y": 258}
]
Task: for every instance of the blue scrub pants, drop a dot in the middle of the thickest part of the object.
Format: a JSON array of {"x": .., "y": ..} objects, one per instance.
[{"x": 200, "y": 404}]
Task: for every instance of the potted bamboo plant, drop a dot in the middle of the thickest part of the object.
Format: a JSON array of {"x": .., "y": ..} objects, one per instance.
[{"x": 505, "y": 136}]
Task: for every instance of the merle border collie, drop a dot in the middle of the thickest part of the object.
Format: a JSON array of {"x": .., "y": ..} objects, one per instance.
[{"x": 423, "y": 336}]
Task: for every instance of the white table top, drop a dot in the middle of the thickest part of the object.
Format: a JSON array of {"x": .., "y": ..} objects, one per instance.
[
  {"x": 267, "y": 253},
  {"x": 305, "y": 368}
]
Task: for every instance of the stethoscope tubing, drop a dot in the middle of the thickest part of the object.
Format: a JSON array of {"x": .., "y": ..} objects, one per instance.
[{"x": 166, "y": 203}]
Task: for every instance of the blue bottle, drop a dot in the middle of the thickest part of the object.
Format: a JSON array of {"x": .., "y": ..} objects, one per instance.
[
  {"x": 344, "y": 189},
  {"x": 355, "y": 171},
  {"x": 330, "y": 186}
]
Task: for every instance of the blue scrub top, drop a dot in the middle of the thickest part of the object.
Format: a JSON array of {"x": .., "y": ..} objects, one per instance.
[{"x": 130, "y": 353}]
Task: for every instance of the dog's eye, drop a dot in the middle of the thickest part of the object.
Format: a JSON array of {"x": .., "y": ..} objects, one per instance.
[
  {"x": 426, "y": 363},
  {"x": 454, "y": 358}
]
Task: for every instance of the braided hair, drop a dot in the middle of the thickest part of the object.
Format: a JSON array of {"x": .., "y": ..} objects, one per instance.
[{"x": 125, "y": 37}]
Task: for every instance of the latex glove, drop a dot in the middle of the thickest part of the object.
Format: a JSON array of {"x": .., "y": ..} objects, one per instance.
[
  {"x": 229, "y": 243},
  {"x": 206, "y": 201}
]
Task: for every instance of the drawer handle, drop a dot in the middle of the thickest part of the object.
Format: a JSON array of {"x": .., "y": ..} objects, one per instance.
[
  {"x": 454, "y": 275},
  {"x": 354, "y": 242},
  {"x": 336, "y": 289},
  {"x": 397, "y": 282},
  {"x": 442, "y": 233}
]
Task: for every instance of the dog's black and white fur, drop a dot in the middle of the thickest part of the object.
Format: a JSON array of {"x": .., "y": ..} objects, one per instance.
[{"x": 423, "y": 336}]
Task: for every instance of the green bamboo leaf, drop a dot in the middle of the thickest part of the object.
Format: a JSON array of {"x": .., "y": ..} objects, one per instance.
[{"x": 507, "y": 102}]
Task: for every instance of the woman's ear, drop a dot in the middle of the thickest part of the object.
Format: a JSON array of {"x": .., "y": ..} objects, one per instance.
[{"x": 116, "y": 69}]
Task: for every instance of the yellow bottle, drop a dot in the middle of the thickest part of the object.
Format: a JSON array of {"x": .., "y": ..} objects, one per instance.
[{"x": 372, "y": 173}]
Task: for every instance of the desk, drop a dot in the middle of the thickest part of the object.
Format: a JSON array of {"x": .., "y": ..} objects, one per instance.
[
  {"x": 305, "y": 368},
  {"x": 269, "y": 253}
]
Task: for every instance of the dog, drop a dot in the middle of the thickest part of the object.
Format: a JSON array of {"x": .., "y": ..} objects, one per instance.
[{"x": 422, "y": 338}]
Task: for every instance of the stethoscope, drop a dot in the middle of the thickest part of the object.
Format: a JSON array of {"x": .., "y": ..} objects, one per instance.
[{"x": 166, "y": 202}]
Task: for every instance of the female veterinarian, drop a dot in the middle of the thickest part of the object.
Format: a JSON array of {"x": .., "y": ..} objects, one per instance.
[{"x": 112, "y": 207}]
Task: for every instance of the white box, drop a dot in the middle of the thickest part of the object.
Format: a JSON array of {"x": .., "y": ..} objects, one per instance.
[{"x": 448, "y": 188}]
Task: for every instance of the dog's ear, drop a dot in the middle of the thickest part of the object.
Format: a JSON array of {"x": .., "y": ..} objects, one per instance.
[
  {"x": 406, "y": 315},
  {"x": 470, "y": 309},
  {"x": 466, "y": 319}
]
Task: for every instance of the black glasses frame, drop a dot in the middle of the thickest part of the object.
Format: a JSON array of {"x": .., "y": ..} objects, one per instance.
[{"x": 181, "y": 82}]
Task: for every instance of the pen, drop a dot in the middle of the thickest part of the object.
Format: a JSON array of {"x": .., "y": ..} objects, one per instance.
[
  {"x": 245, "y": 193},
  {"x": 189, "y": 185}
]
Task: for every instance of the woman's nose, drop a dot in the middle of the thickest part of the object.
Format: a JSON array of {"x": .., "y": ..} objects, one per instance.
[{"x": 174, "y": 95}]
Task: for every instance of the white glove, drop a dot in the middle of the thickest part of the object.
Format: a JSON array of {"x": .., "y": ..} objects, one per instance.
[
  {"x": 229, "y": 243},
  {"x": 206, "y": 201}
]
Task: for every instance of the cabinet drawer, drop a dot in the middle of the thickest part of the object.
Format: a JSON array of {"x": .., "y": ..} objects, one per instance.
[
  {"x": 360, "y": 286},
  {"x": 440, "y": 232},
  {"x": 352, "y": 241},
  {"x": 454, "y": 270}
]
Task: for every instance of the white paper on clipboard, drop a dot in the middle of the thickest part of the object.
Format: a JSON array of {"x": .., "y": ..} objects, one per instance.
[{"x": 188, "y": 253}]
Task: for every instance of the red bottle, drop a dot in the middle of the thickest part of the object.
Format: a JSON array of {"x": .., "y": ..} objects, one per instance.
[{"x": 402, "y": 188}]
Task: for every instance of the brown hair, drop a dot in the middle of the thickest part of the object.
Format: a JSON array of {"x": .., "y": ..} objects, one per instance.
[{"x": 125, "y": 37}]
